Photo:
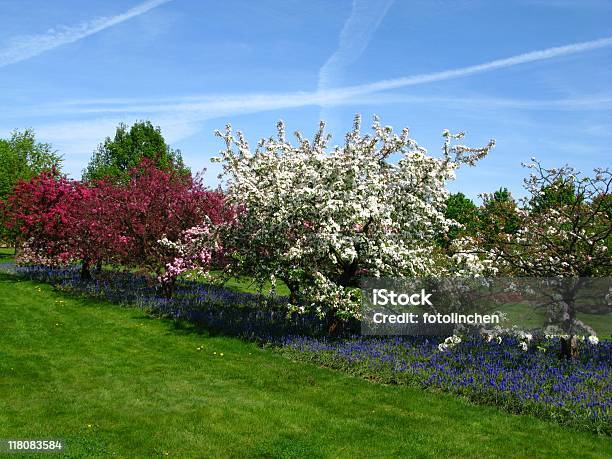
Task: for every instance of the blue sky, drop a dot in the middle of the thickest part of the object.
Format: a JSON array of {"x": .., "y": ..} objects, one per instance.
[{"x": 534, "y": 75}]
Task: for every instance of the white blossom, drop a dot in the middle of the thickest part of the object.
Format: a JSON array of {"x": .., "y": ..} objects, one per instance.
[{"x": 318, "y": 217}]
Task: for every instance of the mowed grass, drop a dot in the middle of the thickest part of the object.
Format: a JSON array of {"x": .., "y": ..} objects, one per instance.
[
  {"x": 528, "y": 317},
  {"x": 6, "y": 254},
  {"x": 111, "y": 381}
]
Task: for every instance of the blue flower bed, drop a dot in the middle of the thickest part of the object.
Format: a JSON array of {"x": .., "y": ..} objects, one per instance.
[
  {"x": 572, "y": 392},
  {"x": 216, "y": 308}
]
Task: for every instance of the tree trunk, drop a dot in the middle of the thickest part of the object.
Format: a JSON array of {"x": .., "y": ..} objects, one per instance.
[
  {"x": 336, "y": 326},
  {"x": 569, "y": 347},
  {"x": 348, "y": 273},
  {"x": 168, "y": 289},
  {"x": 293, "y": 291},
  {"x": 17, "y": 247},
  {"x": 85, "y": 272},
  {"x": 293, "y": 298}
]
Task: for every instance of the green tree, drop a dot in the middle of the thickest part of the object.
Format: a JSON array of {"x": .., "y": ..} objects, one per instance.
[
  {"x": 22, "y": 157},
  {"x": 560, "y": 192},
  {"x": 463, "y": 210},
  {"x": 499, "y": 213},
  {"x": 115, "y": 157}
]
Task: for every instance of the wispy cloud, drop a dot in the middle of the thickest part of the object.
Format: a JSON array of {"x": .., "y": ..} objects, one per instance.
[
  {"x": 26, "y": 46},
  {"x": 231, "y": 104},
  {"x": 216, "y": 106},
  {"x": 183, "y": 116},
  {"x": 533, "y": 56},
  {"x": 80, "y": 137},
  {"x": 365, "y": 17}
]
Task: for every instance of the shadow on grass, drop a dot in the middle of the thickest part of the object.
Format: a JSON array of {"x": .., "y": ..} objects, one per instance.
[
  {"x": 172, "y": 325},
  {"x": 183, "y": 327},
  {"x": 9, "y": 278},
  {"x": 208, "y": 309}
]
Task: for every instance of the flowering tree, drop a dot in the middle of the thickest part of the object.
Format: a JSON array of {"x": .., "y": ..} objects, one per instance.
[
  {"x": 319, "y": 219},
  {"x": 63, "y": 221},
  {"x": 158, "y": 205},
  {"x": 59, "y": 221},
  {"x": 193, "y": 251},
  {"x": 37, "y": 212},
  {"x": 568, "y": 237},
  {"x": 563, "y": 231},
  {"x": 95, "y": 234}
]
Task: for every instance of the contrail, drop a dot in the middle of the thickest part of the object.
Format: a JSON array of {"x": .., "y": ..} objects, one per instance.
[
  {"x": 26, "y": 46},
  {"x": 191, "y": 110},
  {"x": 365, "y": 17},
  {"x": 533, "y": 56},
  {"x": 227, "y": 104}
]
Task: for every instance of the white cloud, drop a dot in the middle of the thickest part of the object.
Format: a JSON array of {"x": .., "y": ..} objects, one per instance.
[
  {"x": 81, "y": 137},
  {"x": 365, "y": 17},
  {"x": 212, "y": 106},
  {"x": 26, "y": 46},
  {"x": 209, "y": 107},
  {"x": 183, "y": 119}
]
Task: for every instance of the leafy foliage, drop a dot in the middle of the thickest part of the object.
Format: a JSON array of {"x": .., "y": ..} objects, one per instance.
[
  {"x": 499, "y": 213},
  {"x": 60, "y": 220},
  {"x": 462, "y": 210},
  {"x": 21, "y": 158},
  {"x": 560, "y": 192},
  {"x": 116, "y": 157}
]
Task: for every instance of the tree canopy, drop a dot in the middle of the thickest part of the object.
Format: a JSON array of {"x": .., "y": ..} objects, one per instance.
[
  {"x": 22, "y": 157},
  {"x": 117, "y": 156},
  {"x": 462, "y": 210},
  {"x": 498, "y": 214},
  {"x": 318, "y": 218}
]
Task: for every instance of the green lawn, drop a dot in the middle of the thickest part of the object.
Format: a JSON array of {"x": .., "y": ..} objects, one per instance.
[
  {"x": 245, "y": 284},
  {"x": 6, "y": 254},
  {"x": 527, "y": 317},
  {"x": 111, "y": 381}
]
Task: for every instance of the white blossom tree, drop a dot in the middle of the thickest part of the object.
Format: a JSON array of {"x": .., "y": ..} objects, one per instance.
[
  {"x": 564, "y": 238},
  {"x": 318, "y": 218},
  {"x": 566, "y": 225}
]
